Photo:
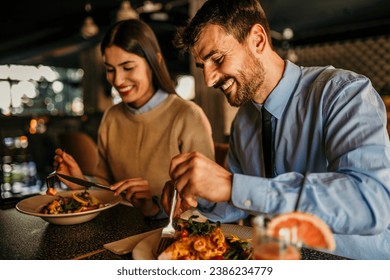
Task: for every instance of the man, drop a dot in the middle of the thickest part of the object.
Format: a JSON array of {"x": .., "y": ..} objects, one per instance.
[{"x": 329, "y": 135}]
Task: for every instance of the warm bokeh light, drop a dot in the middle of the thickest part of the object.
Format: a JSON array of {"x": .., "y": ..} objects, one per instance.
[
  {"x": 38, "y": 125},
  {"x": 57, "y": 86},
  {"x": 4, "y": 72},
  {"x": 48, "y": 73},
  {"x": 40, "y": 90},
  {"x": 78, "y": 106},
  {"x": 116, "y": 98},
  {"x": 186, "y": 86},
  {"x": 23, "y": 141},
  {"x": 5, "y": 100},
  {"x": 23, "y": 73},
  {"x": 33, "y": 126}
]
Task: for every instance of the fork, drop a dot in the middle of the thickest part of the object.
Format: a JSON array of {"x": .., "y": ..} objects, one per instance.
[
  {"x": 168, "y": 232},
  {"x": 51, "y": 180}
]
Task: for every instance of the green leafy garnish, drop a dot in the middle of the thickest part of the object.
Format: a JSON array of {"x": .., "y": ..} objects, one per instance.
[
  {"x": 72, "y": 205},
  {"x": 239, "y": 249},
  {"x": 196, "y": 228}
]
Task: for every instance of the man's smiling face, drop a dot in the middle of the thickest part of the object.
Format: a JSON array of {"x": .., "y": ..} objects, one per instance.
[{"x": 228, "y": 65}]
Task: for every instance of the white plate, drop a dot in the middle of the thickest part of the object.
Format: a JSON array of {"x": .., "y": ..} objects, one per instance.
[
  {"x": 145, "y": 249},
  {"x": 33, "y": 206}
]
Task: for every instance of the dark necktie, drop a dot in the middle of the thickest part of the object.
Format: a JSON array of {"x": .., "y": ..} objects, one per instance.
[{"x": 267, "y": 142}]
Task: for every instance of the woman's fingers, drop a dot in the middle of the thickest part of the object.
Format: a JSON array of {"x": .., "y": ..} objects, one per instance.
[
  {"x": 139, "y": 198},
  {"x": 128, "y": 183},
  {"x": 132, "y": 187},
  {"x": 137, "y": 192}
]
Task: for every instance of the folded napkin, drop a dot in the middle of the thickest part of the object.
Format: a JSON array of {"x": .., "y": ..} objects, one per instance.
[{"x": 126, "y": 245}]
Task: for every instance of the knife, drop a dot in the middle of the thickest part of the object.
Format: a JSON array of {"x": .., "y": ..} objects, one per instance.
[{"x": 81, "y": 182}]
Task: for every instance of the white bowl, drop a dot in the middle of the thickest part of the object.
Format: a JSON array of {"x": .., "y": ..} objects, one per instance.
[{"x": 33, "y": 206}]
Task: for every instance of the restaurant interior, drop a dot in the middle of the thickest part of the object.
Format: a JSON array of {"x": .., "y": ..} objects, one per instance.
[{"x": 53, "y": 88}]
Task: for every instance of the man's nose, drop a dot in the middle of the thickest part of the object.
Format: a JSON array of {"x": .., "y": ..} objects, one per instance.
[{"x": 210, "y": 75}]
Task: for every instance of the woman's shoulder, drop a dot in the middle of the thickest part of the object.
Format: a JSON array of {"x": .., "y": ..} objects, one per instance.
[
  {"x": 187, "y": 111},
  {"x": 113, "y": 111},
  {"x": 184, "y": 105}
]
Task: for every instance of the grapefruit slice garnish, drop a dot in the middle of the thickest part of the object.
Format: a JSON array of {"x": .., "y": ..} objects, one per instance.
[{"x": 311, "y": 230}]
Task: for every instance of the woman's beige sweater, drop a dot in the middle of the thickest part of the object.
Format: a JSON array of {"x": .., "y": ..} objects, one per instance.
[{"x": 133, "y": 146}]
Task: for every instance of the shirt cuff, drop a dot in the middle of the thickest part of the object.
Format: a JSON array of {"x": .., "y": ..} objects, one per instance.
[
  {"x": 249, "y": 193},
  {"x": 220, "y": 212}
]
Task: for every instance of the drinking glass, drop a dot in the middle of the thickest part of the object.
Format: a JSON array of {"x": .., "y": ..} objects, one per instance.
[{"x": 266, "y": 247}]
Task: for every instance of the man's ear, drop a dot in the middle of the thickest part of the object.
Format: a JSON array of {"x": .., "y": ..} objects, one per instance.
[{"x": 258, "y": 37}]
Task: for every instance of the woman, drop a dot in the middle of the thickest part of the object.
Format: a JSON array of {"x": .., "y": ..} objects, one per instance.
[{"x": 138, "y": 137}]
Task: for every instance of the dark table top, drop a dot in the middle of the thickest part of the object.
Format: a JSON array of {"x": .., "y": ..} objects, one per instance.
[{"x": 25, "y": 237}]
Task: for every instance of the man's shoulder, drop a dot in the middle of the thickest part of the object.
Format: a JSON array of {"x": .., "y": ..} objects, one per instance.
[{"x": 326, "y": 74}]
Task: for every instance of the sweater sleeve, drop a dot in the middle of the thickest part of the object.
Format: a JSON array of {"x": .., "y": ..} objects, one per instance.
[{"x": 196, "y": 133}]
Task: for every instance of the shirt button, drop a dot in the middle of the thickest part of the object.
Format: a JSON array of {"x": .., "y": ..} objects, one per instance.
[{"x": 247, "y": 203}]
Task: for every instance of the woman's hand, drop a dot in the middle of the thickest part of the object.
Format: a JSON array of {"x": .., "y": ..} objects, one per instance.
[
  {"x": 66, "y": 164},
  {"x": 137, "y": 192}
]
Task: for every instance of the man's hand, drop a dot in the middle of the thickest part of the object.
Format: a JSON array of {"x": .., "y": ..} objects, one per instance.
[{"x": 194, "y": 175}]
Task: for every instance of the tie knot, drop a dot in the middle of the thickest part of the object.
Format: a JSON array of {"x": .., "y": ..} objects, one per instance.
[{"x": 266, "y": 115}]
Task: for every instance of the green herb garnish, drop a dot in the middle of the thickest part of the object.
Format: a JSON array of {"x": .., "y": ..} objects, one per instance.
[
  {"x": 72, "y": 205},
  {"x": 196, "y": 228}
]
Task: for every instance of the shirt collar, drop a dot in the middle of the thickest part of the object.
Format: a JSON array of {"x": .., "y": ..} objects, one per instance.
[
  {"x": 277, "y": 100},
  {"x": 156, "y": 99}
]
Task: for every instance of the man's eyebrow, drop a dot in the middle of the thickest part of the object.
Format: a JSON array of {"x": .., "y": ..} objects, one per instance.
[{"x": 206, "y": 57}]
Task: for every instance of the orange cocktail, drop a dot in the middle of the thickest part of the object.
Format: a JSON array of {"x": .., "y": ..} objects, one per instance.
[
  {"x": 266, "y": 247},
  {"x": 273, "y": 250},
  {"x": 283, "y": 235}
]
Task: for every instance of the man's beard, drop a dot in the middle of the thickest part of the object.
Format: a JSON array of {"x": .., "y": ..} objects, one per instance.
[{"x": 248, "y": 83}]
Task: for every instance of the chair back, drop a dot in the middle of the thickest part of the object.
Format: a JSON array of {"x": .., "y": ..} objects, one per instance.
[
  {"x": 83, "y": 149},
  {"x": 221, "y": 150}
]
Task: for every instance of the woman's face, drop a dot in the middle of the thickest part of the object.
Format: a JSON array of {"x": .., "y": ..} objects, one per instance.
[{"x": 130, "y": 74}]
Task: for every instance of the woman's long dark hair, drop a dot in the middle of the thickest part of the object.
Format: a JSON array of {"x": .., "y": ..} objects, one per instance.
[{"x": 135, "y": 36}]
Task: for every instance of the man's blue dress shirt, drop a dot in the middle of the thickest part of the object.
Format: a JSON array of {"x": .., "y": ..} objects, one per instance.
[{"x": 329, "y": 124}]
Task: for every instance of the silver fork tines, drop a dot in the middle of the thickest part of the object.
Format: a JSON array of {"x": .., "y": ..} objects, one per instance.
[
  {"x": 168, "y": 232},
  {"x": 50, "y": 179}
]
